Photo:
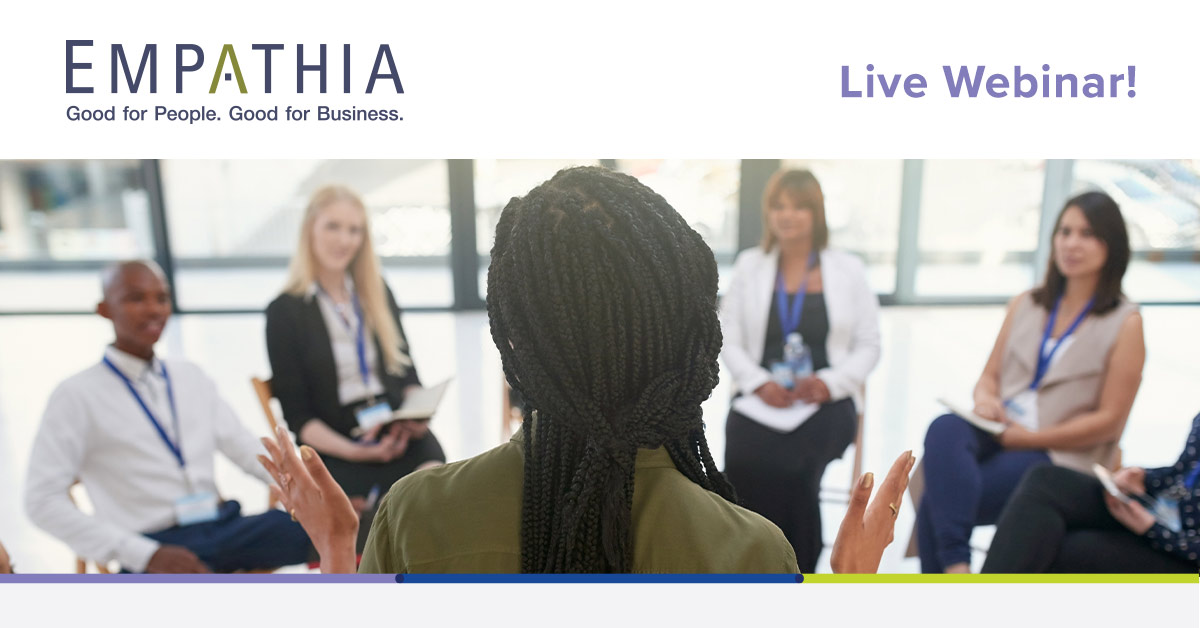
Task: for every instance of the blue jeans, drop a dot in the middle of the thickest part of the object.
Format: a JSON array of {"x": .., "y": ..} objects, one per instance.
[
  {"x": 969, "y": 477},
  {"x": 234, "y": 543}
]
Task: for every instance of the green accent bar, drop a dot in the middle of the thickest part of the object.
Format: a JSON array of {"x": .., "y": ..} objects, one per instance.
[{"x": 1105, "y": 578}]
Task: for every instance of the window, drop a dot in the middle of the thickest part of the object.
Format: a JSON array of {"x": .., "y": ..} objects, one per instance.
[
  {"x": 1160, "y": 200},
  {"x": 60, "y": 222},
  {"x": 979, "y": 224},
  {"x": 234, "y": 225}
]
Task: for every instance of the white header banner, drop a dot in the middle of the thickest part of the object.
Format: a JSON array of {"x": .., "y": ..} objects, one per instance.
[{"x": 531, "y": 79}]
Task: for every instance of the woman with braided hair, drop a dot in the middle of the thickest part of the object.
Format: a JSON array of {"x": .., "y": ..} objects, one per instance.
[{"x": 602, "y": 302}]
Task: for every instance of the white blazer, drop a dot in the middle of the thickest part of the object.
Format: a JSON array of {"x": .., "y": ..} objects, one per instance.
[{"x": 853, "y": 310}]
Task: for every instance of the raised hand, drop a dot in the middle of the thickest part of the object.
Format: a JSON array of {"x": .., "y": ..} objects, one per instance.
[
  {"x": 868, "y": 528},
  {"x": 306, "y": 490}
]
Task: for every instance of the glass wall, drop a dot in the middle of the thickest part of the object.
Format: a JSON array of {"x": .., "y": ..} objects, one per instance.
[
  {"x": 1160, "y": 200},
  {"x": 930, "y": 232},
  {"x": 235, "y": 224},
  {"x": 979, "y": 219},
  {"x": 60, "y": 222}
]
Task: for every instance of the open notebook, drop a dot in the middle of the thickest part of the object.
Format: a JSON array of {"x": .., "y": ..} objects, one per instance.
[
  {"x": 419, "y": 404},
  {"x": 991, "y": 427}
]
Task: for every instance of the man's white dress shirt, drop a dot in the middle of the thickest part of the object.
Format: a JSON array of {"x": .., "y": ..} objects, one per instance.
[{"x": 94, "y": 431}]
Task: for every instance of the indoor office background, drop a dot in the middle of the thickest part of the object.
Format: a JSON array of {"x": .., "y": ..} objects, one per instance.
[{"x": 946, "y": 242}]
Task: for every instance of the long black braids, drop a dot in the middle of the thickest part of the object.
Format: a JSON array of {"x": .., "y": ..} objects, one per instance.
[{"x": 602, "y": 301}]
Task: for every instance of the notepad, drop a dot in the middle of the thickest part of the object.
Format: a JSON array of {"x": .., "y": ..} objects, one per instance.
[
  {"x": 781, "y": 420},
  {"x": 989, "y": 426},
  {"x": 421, "y": 403}
]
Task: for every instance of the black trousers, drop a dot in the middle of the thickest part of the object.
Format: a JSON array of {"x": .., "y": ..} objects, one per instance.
[
  {"x": 779, "y": 475},
  {"x": 358, "y": 479},
  {"x": 1057, "y": 522}
]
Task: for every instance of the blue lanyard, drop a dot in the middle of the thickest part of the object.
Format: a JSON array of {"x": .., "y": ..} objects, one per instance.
[
  {"x": 789, "y": 320},
  {"x": 1044, "y": 359},
  {"x": 1190, "y": 482},
  {"x": 360, "y": 340},
  {"x": 174, "y": 447}
]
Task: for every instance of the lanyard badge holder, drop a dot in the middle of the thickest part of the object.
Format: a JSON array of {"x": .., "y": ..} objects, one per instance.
[
  {"x": 784, "y": 372},
  {"x": 1166, "y": 506},
  {"x": 1022, "y": 407},
  {"x": 195, "y": 507},
  {"x": 374, "y": 412}
]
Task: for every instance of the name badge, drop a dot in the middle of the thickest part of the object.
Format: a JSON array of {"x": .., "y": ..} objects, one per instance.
[
  {"x": 1166, "y": 511},
  {"x": 1022, "y": 409},
  {"x": 196, "y": 508},
  {"x": 371, "y": 416}
]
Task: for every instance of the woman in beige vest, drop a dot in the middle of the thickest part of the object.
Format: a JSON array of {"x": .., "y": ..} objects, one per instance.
[{"x": 1062, "y": 377}]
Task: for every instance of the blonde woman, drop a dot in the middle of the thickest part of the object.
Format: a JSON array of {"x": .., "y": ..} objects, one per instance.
[{"x": 338, "y": 353}]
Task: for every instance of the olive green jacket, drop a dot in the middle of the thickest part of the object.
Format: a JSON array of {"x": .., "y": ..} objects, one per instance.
[{"x": 465, "y": 517}]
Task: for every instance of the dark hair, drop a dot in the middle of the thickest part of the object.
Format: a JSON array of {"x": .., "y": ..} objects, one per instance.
[
  {"x": 1104, "y": 217},
  {"x": 603, "y": 304},
  {"x": 805, "y": 191}
]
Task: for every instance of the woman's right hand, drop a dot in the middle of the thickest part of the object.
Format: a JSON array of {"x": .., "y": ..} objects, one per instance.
[
  {"x": 869, "y": 528},
  {"x": 774, "y": 395},
  {"x": 990, "y": 408},
  {"x": 314, "y": 499}
]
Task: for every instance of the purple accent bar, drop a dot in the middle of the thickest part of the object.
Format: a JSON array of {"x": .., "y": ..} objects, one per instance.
[
  {"x": 196, "y": 578},
  {"x": 394, "y": 578}
]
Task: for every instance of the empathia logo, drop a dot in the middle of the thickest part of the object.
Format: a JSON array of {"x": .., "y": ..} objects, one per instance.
[{"x": 266, "y": 65}]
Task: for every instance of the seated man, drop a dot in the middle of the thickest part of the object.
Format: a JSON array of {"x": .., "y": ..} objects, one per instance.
[{"x": 140, "y": 434}]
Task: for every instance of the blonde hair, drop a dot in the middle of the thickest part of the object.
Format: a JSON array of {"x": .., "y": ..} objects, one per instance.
[{"x": 364, "y": 268}]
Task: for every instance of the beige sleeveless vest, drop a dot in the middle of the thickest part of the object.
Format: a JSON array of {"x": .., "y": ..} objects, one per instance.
[
  {"x": 1070, "y": 387},
  {"x": 1073, "y": 384}
]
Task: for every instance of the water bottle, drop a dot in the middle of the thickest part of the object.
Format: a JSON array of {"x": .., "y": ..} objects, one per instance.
[{"x": 797, "y": 356}]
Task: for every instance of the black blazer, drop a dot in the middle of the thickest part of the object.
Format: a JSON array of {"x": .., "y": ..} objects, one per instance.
[{"x": 304, "y": 375}]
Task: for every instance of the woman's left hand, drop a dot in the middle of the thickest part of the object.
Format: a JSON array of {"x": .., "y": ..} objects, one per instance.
[
  {"x": 811, "y": 390},
  {"x": 870, "y": 524},
  {"x": 309, "y": 493},
  {"x": 1131, "y": 514}
]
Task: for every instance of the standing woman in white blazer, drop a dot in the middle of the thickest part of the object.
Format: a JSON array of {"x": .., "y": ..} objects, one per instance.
[{"x": 779, "y": 441}]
